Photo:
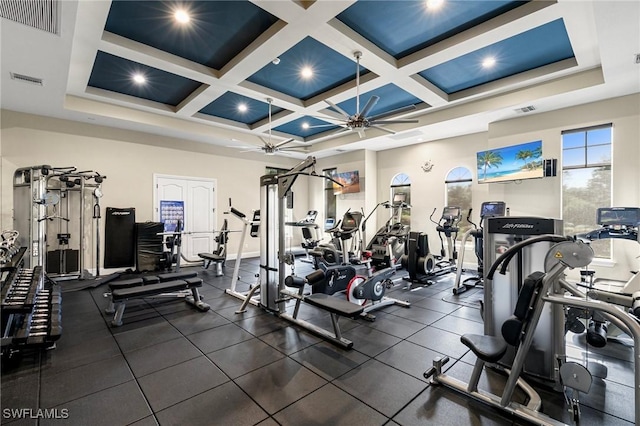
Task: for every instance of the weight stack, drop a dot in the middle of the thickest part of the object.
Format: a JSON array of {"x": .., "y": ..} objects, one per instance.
[{"x": 119, "y": 238}]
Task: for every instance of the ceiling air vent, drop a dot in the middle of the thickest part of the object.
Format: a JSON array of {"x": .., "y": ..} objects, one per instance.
[
  {"x": 27, "y": 79},
  {"x": 40, "y": 14},
  {"x": 525, "y": 110}
]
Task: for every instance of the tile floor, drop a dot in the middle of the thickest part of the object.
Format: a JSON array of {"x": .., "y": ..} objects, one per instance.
[{"x": 172, "y": 365}]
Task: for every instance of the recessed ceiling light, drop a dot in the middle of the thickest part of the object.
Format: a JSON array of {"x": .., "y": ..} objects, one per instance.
[
  {"x": 182, "y": 16},
  {"x": 139, "y": 78},
  {"x": 434, "y": 4},
  {"x": 306, "y": 72},
  {"x": 488, "y": 62},
  {"x": 242, "y": 107},
  {"x": 305, "y": 125}
]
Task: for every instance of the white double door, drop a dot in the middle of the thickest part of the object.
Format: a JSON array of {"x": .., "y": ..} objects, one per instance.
[{"x": 199, "y": 198}]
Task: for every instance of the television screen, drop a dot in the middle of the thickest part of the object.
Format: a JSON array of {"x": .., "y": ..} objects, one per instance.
[
  {"x": 517, "y": 162},
  {"x": 350, "y": 182}
]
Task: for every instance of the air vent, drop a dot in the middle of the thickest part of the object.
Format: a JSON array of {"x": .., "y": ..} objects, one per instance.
[
  {"x": 40, "y": 14},
  {"x": 27, "y": 79},
  {"x": 525, "y": 110}
]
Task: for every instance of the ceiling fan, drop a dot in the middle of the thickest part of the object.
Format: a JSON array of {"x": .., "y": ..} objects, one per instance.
[
  {"x": 271, "y": 148},
  {"x": 360, "y": 120}
]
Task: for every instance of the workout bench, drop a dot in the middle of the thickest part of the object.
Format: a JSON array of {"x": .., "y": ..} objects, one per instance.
[
  {"x": 335, "y": 306},
  {"x": 155, "y": 285}
]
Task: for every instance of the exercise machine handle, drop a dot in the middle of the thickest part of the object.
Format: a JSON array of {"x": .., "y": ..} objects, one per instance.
[{"x": 431, "y": 217}]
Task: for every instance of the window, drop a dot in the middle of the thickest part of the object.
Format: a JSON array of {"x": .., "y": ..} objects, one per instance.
[
  {"x": 458, "y": 186},
  {"x": 586, "y": 181},
  {"x": 401, "y": 184},
  {"x": 329, "y": 197}
]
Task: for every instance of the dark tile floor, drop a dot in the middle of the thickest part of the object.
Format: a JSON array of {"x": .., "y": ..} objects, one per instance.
[{"x": 172, "y": 365}]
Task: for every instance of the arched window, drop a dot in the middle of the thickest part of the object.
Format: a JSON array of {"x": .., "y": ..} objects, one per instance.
[
  {"x": 458, "y": 187},
  {"x": 401, "y": 191}
]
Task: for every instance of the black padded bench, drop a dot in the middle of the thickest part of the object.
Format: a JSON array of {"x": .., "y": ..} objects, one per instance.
[
  {"x": 335, "y": 306},
  {"x": 121, "y": 295},
  {"x": 143, "y": 281}
]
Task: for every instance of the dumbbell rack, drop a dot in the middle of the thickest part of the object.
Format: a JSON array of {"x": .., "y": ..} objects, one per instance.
[{"x": 31, "y": 311}]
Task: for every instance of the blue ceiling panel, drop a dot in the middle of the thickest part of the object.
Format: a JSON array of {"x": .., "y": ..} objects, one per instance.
[
  {"x": 540, "y": 46},
  {"x": 404, "y": 27},
  {"x": 226, "y": 106},
  {"x": 295, "y": 127},
  {"x": 330, "y": 70},
  {"x": 116, "y": 75},
  {"x": 216, "y": 33},
  {"x": 391, "y": 97}
]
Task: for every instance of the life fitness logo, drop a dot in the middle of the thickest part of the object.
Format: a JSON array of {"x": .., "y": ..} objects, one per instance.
[
  {"x": 517, "y": 226},
  {"x": 120, "y": 213}
]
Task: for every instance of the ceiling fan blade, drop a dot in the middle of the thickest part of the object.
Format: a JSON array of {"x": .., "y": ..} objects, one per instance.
[
  {"x": 383, "y": 129},
  {"x": 337, "y": 108},
  {"x": 252, "y": 150},
  {"x": 342, "y": 130},
  {"x": 393, "y": 112},
  {"x": 267, "y": 143},
  {"x": 284, "y": 142},
  {"x": 293, "y": 149},
  {"x": 373, "y": 100},
  {"x": 317, "y": 126},
  {"x": 329, "y": 119},
  {"x": 392, "y": 121}
]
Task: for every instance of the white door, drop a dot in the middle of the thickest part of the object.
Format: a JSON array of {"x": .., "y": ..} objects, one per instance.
[{"x": 199, "y": 198}]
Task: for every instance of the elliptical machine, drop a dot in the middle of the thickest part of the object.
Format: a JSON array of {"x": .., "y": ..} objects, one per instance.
[
  {"x": 388, "y": 244},
  {"x": 418, "y": 260},
  {"x": 488, "y": 209},
  {"x": 346, "y": 239}
]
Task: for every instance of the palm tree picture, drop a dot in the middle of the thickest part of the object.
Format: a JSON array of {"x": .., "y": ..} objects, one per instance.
[{"x": 488, "y": 159}]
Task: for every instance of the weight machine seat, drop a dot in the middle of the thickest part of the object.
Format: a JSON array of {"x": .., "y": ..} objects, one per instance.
[
  {"x": 155, "y": 289},
  {"x": 213, "y": 257},
  {"x": 487, "y": 348},
  {"x": 334, "y": 305},
  {"x": 490, "y": 348}
]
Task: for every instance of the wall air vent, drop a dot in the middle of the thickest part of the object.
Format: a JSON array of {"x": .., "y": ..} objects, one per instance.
[
  {"x": 41, "y": 14},
  {"x": 525, "y": 110},
  {"x": 27, "y": 79}
]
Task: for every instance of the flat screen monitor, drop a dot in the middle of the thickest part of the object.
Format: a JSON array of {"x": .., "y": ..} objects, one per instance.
[
  {"x": 450, "y": 213},
  {"x": 492, "y": 208},
  {"x": 618, "y": 216},
  {"x": 329, "y": 223},
  {"x": 509, "y": 163}
]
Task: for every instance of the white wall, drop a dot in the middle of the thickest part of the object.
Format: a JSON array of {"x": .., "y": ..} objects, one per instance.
[
  {"x": 129, "y": 160},
  {"x": 539, "y": 197}
]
